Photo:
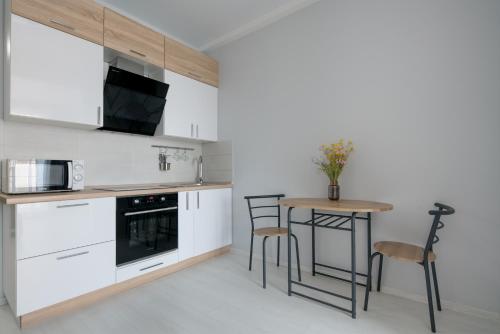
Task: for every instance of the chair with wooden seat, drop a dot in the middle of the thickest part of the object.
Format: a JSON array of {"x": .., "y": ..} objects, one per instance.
[
  {"x": 267, "y": 232},
  {"x": 423, "y": 256}
]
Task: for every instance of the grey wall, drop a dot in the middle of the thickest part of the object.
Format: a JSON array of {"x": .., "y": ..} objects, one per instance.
[{"x": 415, "y": 85}]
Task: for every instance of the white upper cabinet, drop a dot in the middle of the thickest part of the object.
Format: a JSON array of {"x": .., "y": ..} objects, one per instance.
[
  {"x": 191, "y": 109},
  {"x": 53, "y": 76}
]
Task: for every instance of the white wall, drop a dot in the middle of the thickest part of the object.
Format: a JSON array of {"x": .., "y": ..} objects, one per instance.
[
  {"x": 415, "y": 85},
  {"x": 110, "y": 158}
]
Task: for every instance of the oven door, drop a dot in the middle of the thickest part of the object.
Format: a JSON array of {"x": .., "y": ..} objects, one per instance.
[
  {"x": 146, "y": 233},
  {"x": 36, "y": 175}
]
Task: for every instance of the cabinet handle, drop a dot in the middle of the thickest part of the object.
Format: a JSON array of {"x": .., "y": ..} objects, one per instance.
[
  {"x": 137, "y": 53},
  {"x": 99, "y": 115},
  {"x": 197, "y": 131},
  {"x": 71, "y": 205},
  {"x": 194, "y": 75},
  {"x": 62, "y": 24},
  {"x": 192, "y": 130},
  {"x": 198, "y": 198},
  {"x": 187, "y": 201},
  {"x": 152, "y": 266},
  {"x": 72, "y": 255}
]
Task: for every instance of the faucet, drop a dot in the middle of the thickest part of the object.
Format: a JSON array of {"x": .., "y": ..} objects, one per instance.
[{"x": 199, "y": 178}]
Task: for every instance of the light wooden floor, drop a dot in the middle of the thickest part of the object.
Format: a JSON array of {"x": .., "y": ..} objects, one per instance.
[{"x": 222, "y": 296}]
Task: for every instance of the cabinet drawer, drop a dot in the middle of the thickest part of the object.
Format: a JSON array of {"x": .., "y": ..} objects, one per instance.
[
  {"x": 83, "y": 18},
  {"x": 50, "y": 279},
  {"x": 136, "y": 269},
  {"x": 50, "y": 227},
  {"x": 132, "y": 38},
  {"x": 191, "y": 63}
]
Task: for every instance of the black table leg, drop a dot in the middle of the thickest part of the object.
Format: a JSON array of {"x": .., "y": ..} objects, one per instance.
[
  {"x": 313, "y": 246},
  {"x": 353, "y": 265},
  {"x": 289, "y": 218},
  {"x": 369, "y": 246}
]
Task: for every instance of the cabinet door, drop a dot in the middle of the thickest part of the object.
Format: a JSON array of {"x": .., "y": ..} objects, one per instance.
[
  {"x": 192, "y": 63},
  {"x": 186, "y": 224},
  {"x": 191, "y": 109},
  {"x": 180, "y": 107},
  {"x": 225, "y": 218},
  {"x": 205, "y": 112},
  {"x": 46, "y": 280},
  {"x": 83, "y": 18},
  {"x": 205, "y": 224},
  {"x": 54, "y": 76},
  {"x": 127, "y": 36}
]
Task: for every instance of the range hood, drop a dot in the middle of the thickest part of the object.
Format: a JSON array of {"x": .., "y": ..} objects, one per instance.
[{"x": 132, "y": 103}]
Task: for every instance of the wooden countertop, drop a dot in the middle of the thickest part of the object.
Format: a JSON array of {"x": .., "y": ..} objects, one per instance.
[
  {"x": 94, "y": 192},
  {"x": 343, "y": 205}
]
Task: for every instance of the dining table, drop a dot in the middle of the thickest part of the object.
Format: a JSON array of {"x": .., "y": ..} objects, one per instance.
[{"x": 339, "y": 215}]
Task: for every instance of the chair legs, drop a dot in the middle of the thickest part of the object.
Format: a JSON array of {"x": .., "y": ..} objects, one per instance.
[
  {"x": 429, "y": 296},
  {"x": 264, "y": 262},
  {"x": 369, "y": 277},
  {"x": 278, "y": 257},
  {"x": 264, "y": 259},
  {"x": 436, "y": 289},
  {"x": 298, "y": 257},
  {"x": 379, "y": 280},
  {"x": 251, "y": 252}
]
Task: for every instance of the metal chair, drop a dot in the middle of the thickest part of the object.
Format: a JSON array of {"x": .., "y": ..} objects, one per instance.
[
  {"x": 267, "y": 232},
  {"x": 412, "y": 253}
]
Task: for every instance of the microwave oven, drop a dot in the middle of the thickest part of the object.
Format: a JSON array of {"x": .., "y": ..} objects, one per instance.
[{"x": 39, "y": 176}]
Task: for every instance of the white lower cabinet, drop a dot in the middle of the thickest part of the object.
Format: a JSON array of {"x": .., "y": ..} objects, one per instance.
[
  {"x": 139, "y": 268},
  {"x": 205, "y": 221},
  {"x": 46, "y": 280}
]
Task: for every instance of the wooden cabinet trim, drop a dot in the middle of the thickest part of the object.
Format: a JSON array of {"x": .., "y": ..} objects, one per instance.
[
  {"x": 83, "y": 18},
  {"x": 130, "y": 37}
]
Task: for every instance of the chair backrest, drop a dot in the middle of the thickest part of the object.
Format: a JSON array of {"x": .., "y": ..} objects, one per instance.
[
  {"x": 252, "y": 209},
  {"x": 437, "y": 224}
]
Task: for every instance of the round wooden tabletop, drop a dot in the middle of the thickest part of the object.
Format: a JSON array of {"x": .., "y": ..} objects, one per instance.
[{"x": 343, "y": 205}]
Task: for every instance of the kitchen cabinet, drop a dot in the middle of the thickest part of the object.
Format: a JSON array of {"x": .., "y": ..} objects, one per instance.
[
  {"x": 182, "y": 59},
  {"x": 83, "y": 18},
  {"x": 190, "y": 110},
  {"x": 205, "y": 221},
  {"x": 54, "y": 251},
  {"x": 49, "y": 279},
  {"x": 49, "y": 227},
  {"x": 53, "y": 77},
  {"x": 139, "y": 268},
  {"x": 127, "y": 36}
]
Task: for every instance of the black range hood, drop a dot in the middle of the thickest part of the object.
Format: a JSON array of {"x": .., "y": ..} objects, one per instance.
[{"x": 132, "y": 102}]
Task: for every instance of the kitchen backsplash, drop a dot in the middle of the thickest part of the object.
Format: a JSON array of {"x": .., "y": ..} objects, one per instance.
[
  {"x": 218, "y": 161},
  {"x": 110, "y": 158}
]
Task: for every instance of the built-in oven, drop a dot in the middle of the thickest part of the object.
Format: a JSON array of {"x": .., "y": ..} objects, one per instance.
[{"x": 145, "y": 226}]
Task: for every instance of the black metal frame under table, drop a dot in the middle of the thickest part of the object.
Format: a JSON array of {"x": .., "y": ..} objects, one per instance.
[
  {"x": 335, "y": 215},
  {"x": 331, "y": 221}
]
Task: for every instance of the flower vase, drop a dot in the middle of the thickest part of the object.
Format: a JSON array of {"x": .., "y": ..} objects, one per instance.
[{"x": 334, "y": 192}]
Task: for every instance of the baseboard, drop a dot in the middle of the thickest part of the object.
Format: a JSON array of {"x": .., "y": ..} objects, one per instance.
[{"x": 457, "y": 307}]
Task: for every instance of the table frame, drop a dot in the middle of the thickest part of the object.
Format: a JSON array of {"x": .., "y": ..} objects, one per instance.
[{"x": 331, "y": 221}]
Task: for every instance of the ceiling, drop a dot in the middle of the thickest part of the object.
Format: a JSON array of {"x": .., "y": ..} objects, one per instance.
[{"x": 206, "y": 24}]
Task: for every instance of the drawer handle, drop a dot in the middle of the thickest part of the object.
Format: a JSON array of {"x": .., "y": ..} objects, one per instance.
[
  {"x": 154, "y": 265},
  {"x": 194, "y": 75},
  {"x": 72, "y": 255},
  {"x": 62, "y": 24},
  {"x": 71, "y": 205},
  {"x": 137, "y": 53}
]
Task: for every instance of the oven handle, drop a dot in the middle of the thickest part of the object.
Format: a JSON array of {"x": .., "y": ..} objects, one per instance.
[
  {"x": 69, "y": 165},
  {"x": 149, "y": 211}
]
